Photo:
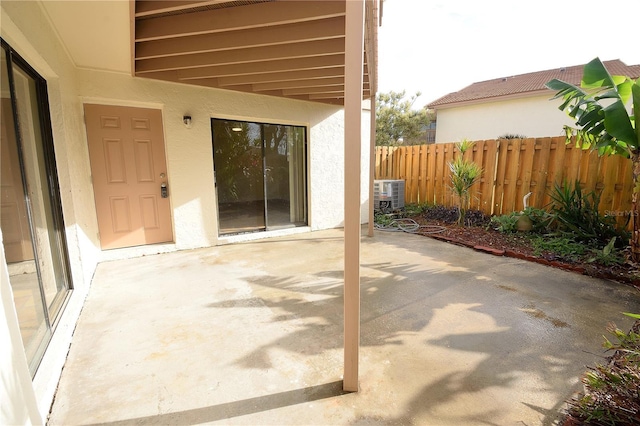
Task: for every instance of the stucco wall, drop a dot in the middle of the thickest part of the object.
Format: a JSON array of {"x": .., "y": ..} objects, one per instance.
[
  {"x": 532, "y": 117},
  {"x": 48, "y": 57}
]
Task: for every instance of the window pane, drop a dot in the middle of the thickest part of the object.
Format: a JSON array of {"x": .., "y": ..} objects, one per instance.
[
  {"x": 49, "y": 260},
  {"x": 260, "y": 174},
  {"x": 285, "y": 176},
  {"x": 239, "y": 178}
]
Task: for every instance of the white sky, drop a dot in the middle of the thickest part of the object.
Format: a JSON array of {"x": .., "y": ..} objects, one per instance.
[{"x": 440, "y": 46}]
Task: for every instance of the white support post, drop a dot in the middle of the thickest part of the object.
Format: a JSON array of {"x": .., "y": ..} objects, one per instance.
[{"x": 354, "y": 46}]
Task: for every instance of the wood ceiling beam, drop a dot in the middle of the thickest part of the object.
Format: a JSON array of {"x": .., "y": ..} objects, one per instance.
[
  {"x": 151, "y": 7},
  {"x": 331, "y": 98},
  {"x": 263, "y": 67},
  {"x": 365, "y": 94},
  {"x": 339, "y": 102},
  {"x": 290, "y": 49},
  {"x": 326, "y": 96},
  {"x": 295, "y": 84},
  {"x": 246, "y": 89},
  {"x": 211, "y": 82},
  {"x": 237, "y": 18},
  {"x": 283, "y": 76},
  {"x": 310, "y": 86},
  {"x": 314, "y": 90},
  {"x": 171, "y": 76},
  {"x": 255, "y": 37},
  {"x": 239, "y": 56}
]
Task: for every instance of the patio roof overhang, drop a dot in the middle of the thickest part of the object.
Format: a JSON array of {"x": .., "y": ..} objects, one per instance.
[
  {"x": 310, "y": 50},
  {"x": 291, "y": 49}
]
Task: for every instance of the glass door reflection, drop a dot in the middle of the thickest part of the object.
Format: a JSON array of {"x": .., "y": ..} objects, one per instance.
[
  {"x": 31, "y": 216},
  {"x": 239, "y": 178},
  {"x": 284, "y": 178},
  {"x": 260, "y": 174}
]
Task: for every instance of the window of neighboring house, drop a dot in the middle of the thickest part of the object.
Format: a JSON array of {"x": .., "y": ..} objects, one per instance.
[{"x": 31, "y": 213}]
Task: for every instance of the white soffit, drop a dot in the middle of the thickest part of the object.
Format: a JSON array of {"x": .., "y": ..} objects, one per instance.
[{"x": 96, "y": 33}]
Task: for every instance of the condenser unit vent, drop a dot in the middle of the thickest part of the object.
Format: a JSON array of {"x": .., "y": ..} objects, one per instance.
[{"x": 388, "y": 195}]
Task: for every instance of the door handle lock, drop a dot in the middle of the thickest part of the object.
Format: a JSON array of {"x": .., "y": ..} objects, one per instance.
[{"x": 164, "y": 192}]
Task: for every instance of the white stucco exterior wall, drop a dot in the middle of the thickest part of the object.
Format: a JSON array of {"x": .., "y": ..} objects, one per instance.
[
  {"x": 48, "y": 57},
  {"x": 532, "y": 116}
]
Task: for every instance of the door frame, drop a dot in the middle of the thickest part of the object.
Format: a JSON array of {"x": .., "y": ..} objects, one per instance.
[{"x": 128, "y": 104}]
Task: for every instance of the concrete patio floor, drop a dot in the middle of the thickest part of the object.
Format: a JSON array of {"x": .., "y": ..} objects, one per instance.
[{"x": 251, "y": 334}]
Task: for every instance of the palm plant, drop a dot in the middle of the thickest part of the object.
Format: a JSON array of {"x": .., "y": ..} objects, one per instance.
[
  {"x": 603, "y": 122},
  {"x": 464, "y": 145},
  {"x": 463, "y": 175}
]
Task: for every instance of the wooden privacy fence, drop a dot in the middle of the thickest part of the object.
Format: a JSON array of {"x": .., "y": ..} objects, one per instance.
[{"x": 511, "y": 169}]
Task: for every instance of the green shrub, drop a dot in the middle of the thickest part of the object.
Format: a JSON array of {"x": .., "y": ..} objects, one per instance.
[
  {"x": 612, "y": 390},
  {"x": 415, "y": 208},
  {"x": 541, "y": 220},
  {"x": 505, "y": 223},
  {"x": 563, "y": 245},
  {"x": 577, "y": 213},
  {"x": 608, "y": 255},
  {"x": 383, "y": 219},
  {"x": 511, "y": 136}
]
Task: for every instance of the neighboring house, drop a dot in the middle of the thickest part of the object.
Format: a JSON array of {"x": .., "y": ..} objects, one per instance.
[
  {"x": 516, "y": 105},
  {"x": 132, "y": 128}
]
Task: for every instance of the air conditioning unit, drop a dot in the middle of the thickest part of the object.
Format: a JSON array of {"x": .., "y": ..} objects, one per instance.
[{"x": 388, "y": 194}]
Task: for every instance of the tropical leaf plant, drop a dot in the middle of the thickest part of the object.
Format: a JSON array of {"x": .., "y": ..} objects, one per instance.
[
  {"x": 577, "y": 212},
  {"x": 599, "y": 106},
  {"x": 464, "y": 174}
]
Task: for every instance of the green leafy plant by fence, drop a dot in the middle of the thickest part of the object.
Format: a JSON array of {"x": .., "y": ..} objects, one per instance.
[{"x": 463, "y": 174}]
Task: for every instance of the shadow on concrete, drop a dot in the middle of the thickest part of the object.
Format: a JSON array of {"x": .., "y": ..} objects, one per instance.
[
  {"x": 403, "y": 303},
  {"x": 449, "y": 336},
  {"x": 391, "y": 308},
  {"x": 237, "y": 408}
]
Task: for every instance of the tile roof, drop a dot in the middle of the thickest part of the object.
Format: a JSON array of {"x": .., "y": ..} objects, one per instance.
[{"x": 527, "y": 83}]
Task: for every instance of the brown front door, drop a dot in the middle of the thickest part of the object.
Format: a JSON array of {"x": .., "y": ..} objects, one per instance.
[{"x": 126, "y": 149}]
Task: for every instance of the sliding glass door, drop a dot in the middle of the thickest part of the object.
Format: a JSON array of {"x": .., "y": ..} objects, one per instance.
[
  {"x": 31, "y": 214},
  {"x": 260, "y": 174}
]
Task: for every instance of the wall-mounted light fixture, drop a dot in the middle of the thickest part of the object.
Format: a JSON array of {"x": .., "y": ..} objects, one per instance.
[{"x": 187, "y": 121}]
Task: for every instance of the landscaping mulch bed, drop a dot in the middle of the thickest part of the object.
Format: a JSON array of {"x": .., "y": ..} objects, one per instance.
[{"x": 440, "y": 223}]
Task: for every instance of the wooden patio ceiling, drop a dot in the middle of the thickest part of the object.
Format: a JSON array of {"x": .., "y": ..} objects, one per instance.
[{"x": 288, "y": 48}]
